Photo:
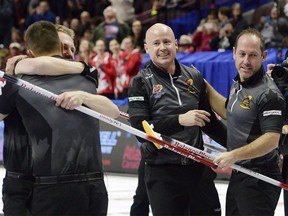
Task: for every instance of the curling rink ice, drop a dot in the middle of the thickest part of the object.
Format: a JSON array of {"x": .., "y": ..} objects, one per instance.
[{"x": 121, "y": 189}]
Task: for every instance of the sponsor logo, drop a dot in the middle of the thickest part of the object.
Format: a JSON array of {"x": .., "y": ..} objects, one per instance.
[
  {"x": 138, "y": 98},
  {"x": 131, "y": 157},
  {"x": 245, "y": 104},
  {"x": 109, "y": 139},
  {"x": 272, "y": 112}
]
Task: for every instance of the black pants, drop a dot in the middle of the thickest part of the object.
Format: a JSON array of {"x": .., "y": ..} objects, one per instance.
[
  {"x": 247, "y": 195},
  {"x": 173, "y": 189},
  {"x": 140, "y": 206},
  {"x": 285, "y": 179},
  {"x": 207, "y": 201},
  {"x": 80, "y": 198},
  {"x": 16, "y": 195}
]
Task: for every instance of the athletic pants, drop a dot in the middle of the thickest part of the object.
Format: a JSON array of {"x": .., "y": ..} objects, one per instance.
[
  {"x": 16, "y": 195},
  {"x": 79, "y": 198},
  {"x": 247, "y": 195},
  {"x": 175, "y": 189}
]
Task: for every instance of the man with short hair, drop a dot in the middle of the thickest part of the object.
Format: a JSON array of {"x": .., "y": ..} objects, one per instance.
[
  {"x": 255, "y": 112},
  {"x": 172, "y": 97},
  {"x": 75, "y": 157}
]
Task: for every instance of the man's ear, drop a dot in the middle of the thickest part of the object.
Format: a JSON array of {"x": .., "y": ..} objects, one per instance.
[
  {"x": 145, "y": 47},
  {"x": 30, "y": 53},
  {"x": 62, "y": 49}
]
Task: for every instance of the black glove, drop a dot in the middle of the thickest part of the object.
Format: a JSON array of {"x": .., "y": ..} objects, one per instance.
[
  {"x": 90, "y": 73},
  {"x": 149, "y": 152}
]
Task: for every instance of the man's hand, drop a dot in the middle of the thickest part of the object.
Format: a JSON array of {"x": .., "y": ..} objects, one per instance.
[
  {"x": 11, "y": 63},
  {"x": 225, "y": 160},
  {"x": 70, "y": 100},
  {"x": 194, "y": 118},
  {"x": 285, "y": 129},
  {"x": 269, "y": 69}
]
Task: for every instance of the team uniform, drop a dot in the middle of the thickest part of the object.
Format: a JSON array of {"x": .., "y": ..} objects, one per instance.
[
  {"x": 254, "y": 108},
  {"x": 173, "y": 181},
  {"x": 18, "y": 182},
  {"x": 140, "y": 204},
  {"x": 67, "y": 162}
]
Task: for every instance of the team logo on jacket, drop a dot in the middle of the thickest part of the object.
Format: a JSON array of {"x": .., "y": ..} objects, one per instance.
[
  {"x": 190, "y": 87},
  {"x": 157, "y": 91},
  {"x": 245, "y": 104},
  {"x": 2, "y": 84}
]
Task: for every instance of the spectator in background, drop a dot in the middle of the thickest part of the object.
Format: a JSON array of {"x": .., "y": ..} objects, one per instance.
[
  {"x": 85, "y": 52},
  {"x": 42, "y": 12},
  {"x": 21, "y": 12},
  {"x": 132, "y": 62},
  {"x": 15, "y": 49},
  {"x": 211, "y": 17},
  {"x": 106, "y": 72},
  {"x": 95, "y": 21},
  {"x": 203, "y": 36},
  {"x": 3, "y": 54},
  {"x": 87, "y": 35},
  {"x": 138, "y": 34},
  {"x": 237, "y": 21},
  {"x": 224, "y": 13},
  {"x": 32, "y": 6},
  {"x": 17, "y": 36},
  {"x": 125, "y": 10},
  {"x": 75, "y": 25},
  {"x": 84, "y": 23},
  {"x": 268, "y": 27},
  {"x": 185, "y": 44},
  {"x": 224, "y": 40},
  {"x": 118, "y": 63},
  {"x": 6, "y": 22},
  {"x": 110, "y": 28}
]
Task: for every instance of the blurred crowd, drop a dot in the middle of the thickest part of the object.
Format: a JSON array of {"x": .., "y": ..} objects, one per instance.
[
  {"x": 218, "y": 31},
  {"x": 109, "y": 37}
]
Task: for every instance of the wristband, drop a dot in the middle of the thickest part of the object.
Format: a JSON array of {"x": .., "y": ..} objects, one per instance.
[
  {"x": 90, "y": 73},
  {"x": 16, "y": 62}
]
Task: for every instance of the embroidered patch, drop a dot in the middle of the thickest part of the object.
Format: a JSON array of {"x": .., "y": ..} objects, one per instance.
[
  {"x": 190, "y": 87},
  {"x": 139, "y": 98},
  {"x": 245, "y": 104},
  {"x": 272, "y": 112},
  {"x": 157, "y": 89}
]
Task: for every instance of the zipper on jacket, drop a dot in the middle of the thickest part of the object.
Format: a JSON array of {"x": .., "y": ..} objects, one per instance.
[
  {"x": 177, "y": 92},
  {"x": 237, "y": 95}
]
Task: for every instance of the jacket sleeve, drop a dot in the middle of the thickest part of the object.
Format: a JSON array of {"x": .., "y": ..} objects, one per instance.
[
  {"x": 139, "y": 110},
  {"x": 7, "y": 98},
  {"x": 215, "y": 129}
]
